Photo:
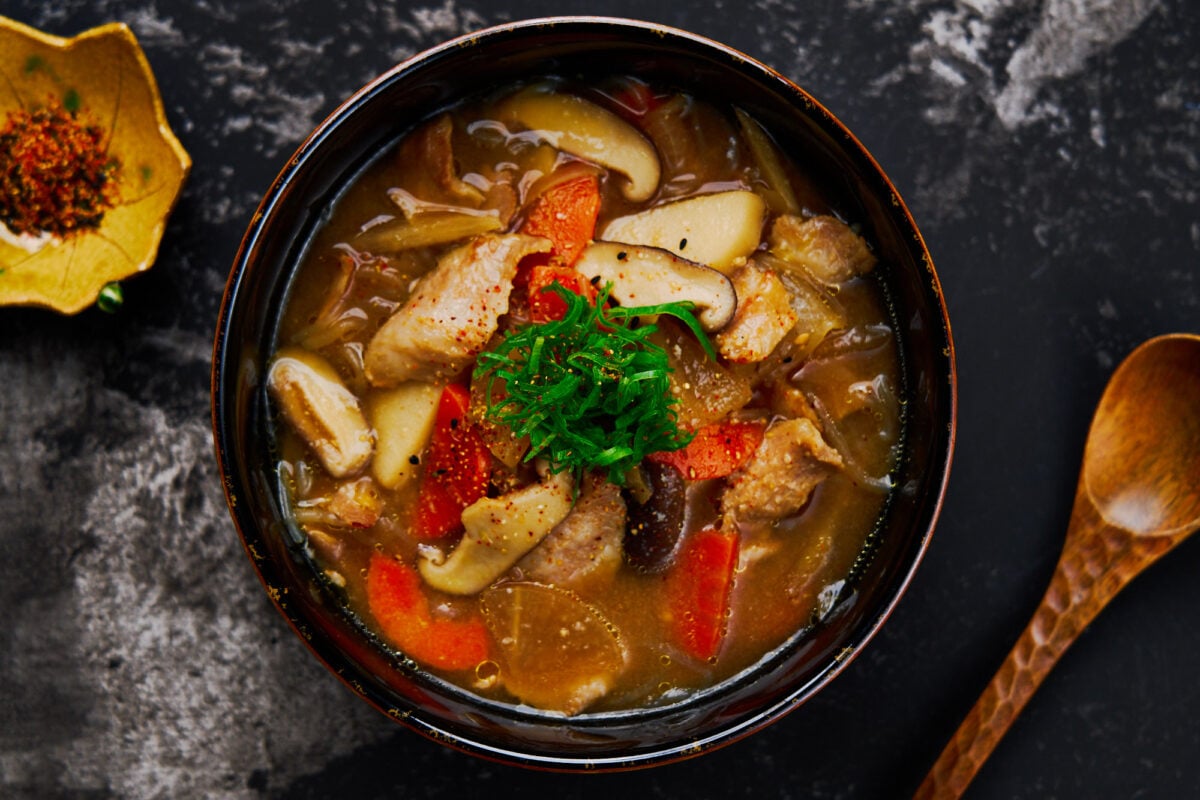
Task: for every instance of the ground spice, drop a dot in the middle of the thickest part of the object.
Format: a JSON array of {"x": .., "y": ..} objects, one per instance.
[{"x": 56, "y": 175}]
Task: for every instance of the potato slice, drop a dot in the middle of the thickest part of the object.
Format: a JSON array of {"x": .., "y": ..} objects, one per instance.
[
  {"x": 403, "y": 420},
  {"x": 322, "y": 410},
  {"x": 586, "y": 130},
  {"x": 718, "y": 230}
]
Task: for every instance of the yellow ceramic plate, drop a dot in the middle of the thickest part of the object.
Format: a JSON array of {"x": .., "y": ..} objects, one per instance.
[{"x": 104, "y": 74}]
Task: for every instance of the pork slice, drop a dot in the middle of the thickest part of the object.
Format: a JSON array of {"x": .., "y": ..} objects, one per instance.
[
  {"x": 826, "y": 247},
  {"x": 763, "y": 317},
  {"x": 452, "y": 312},
  {"x": 586, "y": 546},
  {"x": 778, "y": 479}
]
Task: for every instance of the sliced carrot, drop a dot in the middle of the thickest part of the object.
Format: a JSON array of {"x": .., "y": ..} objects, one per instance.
[
  {"x": 401, "y": 609},
  {"x": 699, "y": 584},
  {"x": 715, "y": 451},
  {"x": 546, "y": 305},
  {"x": 566, "y": 215},
  {"x": 635, "y": 98},
  {"x": 457, "y": 467}
]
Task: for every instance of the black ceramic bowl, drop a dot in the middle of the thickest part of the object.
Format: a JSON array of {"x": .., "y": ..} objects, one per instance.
[{"x": 258, "y": 285}]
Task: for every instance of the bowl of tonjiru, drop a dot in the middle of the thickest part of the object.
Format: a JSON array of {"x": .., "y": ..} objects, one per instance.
[{"x": 583, "y": 394}]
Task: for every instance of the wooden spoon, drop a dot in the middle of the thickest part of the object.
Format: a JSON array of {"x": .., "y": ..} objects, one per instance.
[{"x": 1138, "y": 496}]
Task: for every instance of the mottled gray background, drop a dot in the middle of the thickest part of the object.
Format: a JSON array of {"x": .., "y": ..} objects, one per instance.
[{"x": 1048, "y": 149}]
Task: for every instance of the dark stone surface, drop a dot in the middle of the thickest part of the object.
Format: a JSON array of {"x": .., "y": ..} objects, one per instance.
[{"x": 1050, "y": 150}]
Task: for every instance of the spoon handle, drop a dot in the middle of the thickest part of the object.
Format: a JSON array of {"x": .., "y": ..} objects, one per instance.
[{"x": 1096, "y": 563}]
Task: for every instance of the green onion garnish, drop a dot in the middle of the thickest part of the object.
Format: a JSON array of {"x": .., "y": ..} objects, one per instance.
[{"x": 590, "y": 390}]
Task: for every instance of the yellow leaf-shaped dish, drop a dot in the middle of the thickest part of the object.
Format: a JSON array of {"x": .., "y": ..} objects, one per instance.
[{"x": 103, "y": 74}]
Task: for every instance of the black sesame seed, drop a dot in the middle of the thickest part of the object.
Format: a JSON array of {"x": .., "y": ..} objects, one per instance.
[
  {"x": 682, "y": 243},
  {"x": 621, "y": 256},
  {"x": 414, "y": 460}
]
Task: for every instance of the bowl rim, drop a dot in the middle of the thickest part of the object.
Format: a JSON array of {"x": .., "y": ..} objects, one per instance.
[{"x": 329, "y": 654}]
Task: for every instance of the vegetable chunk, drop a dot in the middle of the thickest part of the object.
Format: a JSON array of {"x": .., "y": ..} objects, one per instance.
[
  {"x": 595, "y": 134},
  {"x": 403, "y": 421},
  {"x": 499, "y": 531},
  {"x": 559, "y": 652},
  {"x": 698, "y": 589},
  {"x": 456, "y": 468},
  {"x": 647, "y": 276},
  {"x": 566, "y": 215},
  {"x": 715, "y": 451},
  {"x": 718, "y": 230},
  {"x": 402, "y": 611}
]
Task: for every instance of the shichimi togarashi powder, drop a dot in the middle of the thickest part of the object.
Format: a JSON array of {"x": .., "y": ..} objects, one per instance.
[{"x": 56, "y": 176}]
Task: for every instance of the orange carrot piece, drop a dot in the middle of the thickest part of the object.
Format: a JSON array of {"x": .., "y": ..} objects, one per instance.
[
  {"x": 699, "y": 584},
  {"x": 546, "y": 305},
  {"x": 397, "y": 603},
  {"x": 566, "y": 215},
  {"x": 457, "y": 467},
  {"x": 716, "y": 451}
]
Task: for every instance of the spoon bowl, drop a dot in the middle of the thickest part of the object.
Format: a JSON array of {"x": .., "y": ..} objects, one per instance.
[
  {"x": 1141, "y": 464},
  {"x": 1138, "y": 496}
]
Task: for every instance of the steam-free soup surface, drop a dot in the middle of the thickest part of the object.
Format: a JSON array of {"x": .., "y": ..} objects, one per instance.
[{"x": 587, "y": 398}]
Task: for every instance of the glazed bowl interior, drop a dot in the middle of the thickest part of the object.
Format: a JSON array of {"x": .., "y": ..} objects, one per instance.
[{"x": 298, "y": 203}]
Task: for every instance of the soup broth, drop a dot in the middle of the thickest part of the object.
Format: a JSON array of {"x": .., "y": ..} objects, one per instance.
[{"x": 588, "y": 398}]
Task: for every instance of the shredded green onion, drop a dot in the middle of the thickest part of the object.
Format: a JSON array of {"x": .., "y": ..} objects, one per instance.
[{"x": 590, "y": 390}]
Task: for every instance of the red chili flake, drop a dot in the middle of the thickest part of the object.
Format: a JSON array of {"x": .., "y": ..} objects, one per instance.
[{"x": 55, "y": 172}]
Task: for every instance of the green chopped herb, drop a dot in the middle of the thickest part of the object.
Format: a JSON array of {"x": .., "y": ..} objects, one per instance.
[
  {"x": 111, "y": 298},
  {"x": 590, "y": 390}
]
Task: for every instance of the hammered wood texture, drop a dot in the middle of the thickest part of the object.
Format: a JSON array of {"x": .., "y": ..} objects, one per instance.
[{"x": 1097, "y": 561}]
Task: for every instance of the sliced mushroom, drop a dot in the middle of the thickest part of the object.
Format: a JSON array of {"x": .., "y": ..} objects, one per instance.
[
  {"x": 718, "y": 230},
  {"x": 321, "y": 409},
  {"x": 643, "y": 276},
  {"x": 655, "y": 526},
  {"x": 499, "y": 530},
  {"x": 586, "y": 130}
]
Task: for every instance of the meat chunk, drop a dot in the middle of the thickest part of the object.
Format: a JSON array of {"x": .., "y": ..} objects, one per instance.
[
  {"x": 763, "y": 317},
  {"x": 825, "y": 246},
  {"x": 452, "y": 313},
  {"x": 586, "y": 546},
  {"x": 791, "y": 462}
]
